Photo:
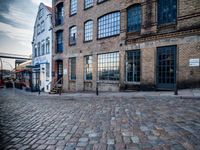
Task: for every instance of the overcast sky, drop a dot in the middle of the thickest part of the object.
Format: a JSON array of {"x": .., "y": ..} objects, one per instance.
[{"x": 17, "y": 19}]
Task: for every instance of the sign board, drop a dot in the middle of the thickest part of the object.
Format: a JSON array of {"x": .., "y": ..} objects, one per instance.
[
  {"x": 194, "y": 62},
  {"x": 65, "y": 71}
]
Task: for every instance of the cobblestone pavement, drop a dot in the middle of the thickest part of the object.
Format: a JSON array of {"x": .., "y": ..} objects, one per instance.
[{"x": 97, "y": 123}]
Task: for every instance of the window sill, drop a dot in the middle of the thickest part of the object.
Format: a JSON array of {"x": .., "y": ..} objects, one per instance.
[
  {"x": 108, "y": 37},
  {"x": 70, "y": 80},
  {"x": 71, "y": 15},
  {"x": 101, "y": 2},
  {"x": 132, "y": 83},
  {"x": 88, "y": 81},
  {"x": 167, "y": 25},
  {"x": 87, "y": 8},
  {"x": 87, "y": 41},
  {"x": 107, "y": 82}
]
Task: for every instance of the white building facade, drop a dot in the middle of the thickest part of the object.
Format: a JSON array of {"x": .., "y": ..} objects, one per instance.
[{"x": 42, "y": 50}]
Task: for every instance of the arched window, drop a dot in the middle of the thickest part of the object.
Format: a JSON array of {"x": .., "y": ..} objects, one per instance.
[
  {"x": 88, "y": 30},
  {"x": 109, "y": 25},
  {"x": 134, "y": 18},
  {"x": 167, "y": 11}
]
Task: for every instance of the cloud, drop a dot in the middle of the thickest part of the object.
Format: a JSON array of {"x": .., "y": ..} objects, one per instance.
[
  {"x": 20, "y": 35},
  {"x": 47, "y": 2}
]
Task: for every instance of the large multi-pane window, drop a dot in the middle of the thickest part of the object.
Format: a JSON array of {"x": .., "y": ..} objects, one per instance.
[
  {"x": 88, "y": 67},
  {"x": 73, "y": 7},
  {"x": 134, "y": 18},
  {"x": 60, "y": 14},
  {"x": 133, "y": 66},
  {"x": 109, "y": 25},
  {"x": 72, "y": 35},
  {"x": 108, "y": 66},
  {"x": 88, "y": 3},
  {"x": 167, "y": 11},
  {"x": 72, "y": 62},
  {"x": 59, "y": 40},
  {"x": 88, "y": 30}
]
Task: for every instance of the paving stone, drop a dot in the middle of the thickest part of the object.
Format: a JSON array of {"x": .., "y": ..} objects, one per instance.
[
  {"x": 135, "y": 139},
  {"x": 29, "y": 121},
  {"x": 110, "y": 141}
]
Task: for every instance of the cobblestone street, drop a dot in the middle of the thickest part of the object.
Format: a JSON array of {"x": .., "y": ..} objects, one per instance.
[{"x": 98, "y": 123}]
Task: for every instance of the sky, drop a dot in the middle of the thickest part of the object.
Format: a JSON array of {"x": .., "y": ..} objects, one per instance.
[{"x": 17, "y": 18}]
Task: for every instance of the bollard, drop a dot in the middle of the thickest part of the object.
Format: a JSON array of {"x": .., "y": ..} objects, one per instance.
[
  {"x": 97, "y": 90},
  {"x": 176, "y": 90}
]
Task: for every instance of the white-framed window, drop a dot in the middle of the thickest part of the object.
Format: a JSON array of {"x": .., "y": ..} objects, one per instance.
[{"x": 88, "y": 30}]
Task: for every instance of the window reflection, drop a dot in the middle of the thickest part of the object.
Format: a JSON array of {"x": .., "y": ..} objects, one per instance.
[
  {"x": 88, "y": 67},
  {"x": 108, "y": 66}
]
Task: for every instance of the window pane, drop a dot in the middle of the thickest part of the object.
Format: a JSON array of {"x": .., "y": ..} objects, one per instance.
[
  {"x": 73, "y": 7},
  {"x": 72, "y": 38},
  {"x": 133, "y": 66},
  {"x": 88, "y": 3},
  {"x": 134, "y": 18},
  {"x": 109, "y": 25},
  {"x": 167, "y": 11},
  {"x": 88, "y": 67},
  {"x": 59, "y": 39},
  {"x": 88, "y": 31},
  {"x": 72, "y": 68},
  {"x": 108, "y": 66}
]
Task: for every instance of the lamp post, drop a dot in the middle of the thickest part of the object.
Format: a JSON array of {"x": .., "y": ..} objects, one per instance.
[{"x": 1, "y": 78}]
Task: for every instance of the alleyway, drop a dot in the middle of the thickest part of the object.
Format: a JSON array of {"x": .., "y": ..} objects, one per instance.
[{"x": 97, "y": 123}]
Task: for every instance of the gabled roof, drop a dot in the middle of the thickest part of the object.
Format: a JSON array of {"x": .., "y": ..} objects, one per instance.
[{"x": 49, "y": 8}]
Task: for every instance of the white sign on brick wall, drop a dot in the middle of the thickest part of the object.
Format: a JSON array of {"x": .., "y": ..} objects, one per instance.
[
  {"x": 65, "y": 71},
  {"x": 194, "y": 62}
]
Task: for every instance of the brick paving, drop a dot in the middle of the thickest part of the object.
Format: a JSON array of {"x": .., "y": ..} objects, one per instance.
[{"x": 98, "y": 123}]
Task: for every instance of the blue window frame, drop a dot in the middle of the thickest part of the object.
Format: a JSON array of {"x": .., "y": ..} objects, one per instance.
[
  {"x": 134, "y": 18},
  {"x": 59, "y": 39},
  {"x": 109, "y": 25},
  {"x": 167, "y": 11}
]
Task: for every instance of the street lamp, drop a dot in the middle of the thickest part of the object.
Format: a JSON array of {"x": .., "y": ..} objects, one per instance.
[{"x": 1, "y": 78}]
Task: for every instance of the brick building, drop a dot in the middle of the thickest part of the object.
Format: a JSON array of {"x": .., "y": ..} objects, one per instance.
[{"x": 126, "y": 44}]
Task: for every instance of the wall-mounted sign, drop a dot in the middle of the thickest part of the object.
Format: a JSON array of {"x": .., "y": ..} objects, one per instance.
[
  {"x": 65, "y": 71},
  {"x": 194, "y": 62}
]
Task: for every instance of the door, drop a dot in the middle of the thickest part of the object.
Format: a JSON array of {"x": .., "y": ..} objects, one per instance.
[
  {"x": 166, "y": 67},
  {"x": 59, "y": 71}
]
